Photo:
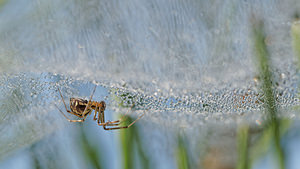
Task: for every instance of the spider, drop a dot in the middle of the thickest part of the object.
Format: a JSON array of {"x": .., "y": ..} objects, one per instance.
[{"x": 81, "y": 108}]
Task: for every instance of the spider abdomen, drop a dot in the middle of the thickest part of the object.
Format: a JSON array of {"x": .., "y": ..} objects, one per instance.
[{"x": 78, "y": 105}]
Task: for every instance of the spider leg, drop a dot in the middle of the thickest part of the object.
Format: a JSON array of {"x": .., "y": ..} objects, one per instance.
[
  {"x": 63, "y": 101},
  {"x": 102, "y": 122},
  {"x": 82, "y": 120},
  {"x": 68, "y": 110},
  {"x": 122, "y": 127},
  {"x": 100, "y": 116},
  {"x": 96, "y": 110},
  {"x": 89, "y": 103},
  {"x": 112, "y": 123},
  {"x": 93, "y": 93},
  {"x": 109, "y": 123},
  {"x": 124, "y": 115}
]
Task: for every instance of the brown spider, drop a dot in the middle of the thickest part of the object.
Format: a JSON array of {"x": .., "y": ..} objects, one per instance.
[{"x": 81, "y": 108}]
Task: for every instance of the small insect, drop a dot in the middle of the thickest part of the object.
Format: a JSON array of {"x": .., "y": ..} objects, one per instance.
[{"x": 81, "y": 108}]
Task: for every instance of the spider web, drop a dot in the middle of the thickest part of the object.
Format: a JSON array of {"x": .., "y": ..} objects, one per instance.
[{"x": 184, "y": 67}]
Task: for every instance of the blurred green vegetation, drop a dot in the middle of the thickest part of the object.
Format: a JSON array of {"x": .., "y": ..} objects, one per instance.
[
  {"x": 264, "y": 68},
  {"x": 264, "y": 141},
  {"x": 92, "y": 156},
  {"x": 132, "y": 147},
  {"x": 242, "y": 147},
  {"x": 295, "y": 33},
  {"x": 182, "y": 157},
  {"x": 130, "y": 139},
  {"x": 2, "y": 2},
  {"x": 274, "y": 128},
  {"x": 35, "y": 160}
]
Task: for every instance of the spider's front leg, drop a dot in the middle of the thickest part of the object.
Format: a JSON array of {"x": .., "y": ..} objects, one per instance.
[
  {"x": 95, "y": 118},
  {"x": 68, "y": 110},
  {"x": 83, "y": 115},
  {"x": 88, "y": 106},
  {"x": 101, "y": 121},
  {"x": 81, "y": 120},
  {"x": 118, "y": 122},
  {"x": 121, "y": 127},
  {"x": 86, "y": 111}
]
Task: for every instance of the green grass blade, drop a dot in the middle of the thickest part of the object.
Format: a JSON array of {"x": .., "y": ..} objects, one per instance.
[
  {"x": 131, "y": 142},
  {"x": 295, "y": 33},
  {"x": 127, "y": 144},
  {"x": 262, "y": 56},
  {"x": 182, "y": 154},
  {"x": 35, "y": 161},
  {"x": 143, "y": 156},
  {"x": 91, "y": 154},
  {"x": 242, "y": 143},
  {"x": 2, "y": 2}
]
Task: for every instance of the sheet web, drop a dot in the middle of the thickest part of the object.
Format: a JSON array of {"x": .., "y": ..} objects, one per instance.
[{"x": 185, "y": 64}]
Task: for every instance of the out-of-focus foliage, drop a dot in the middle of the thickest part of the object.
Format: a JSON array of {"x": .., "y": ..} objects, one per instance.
[
  {"x": 295, "y": 33},
  {"x": 264, "y": 67},
  {"x": 2, "y": 2},
  {"x": 92, "y": 156},
  {"x": 182, "y": 157},
  {"x": 133, "y": 147},
  {"x": 242, "y": 147}
]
